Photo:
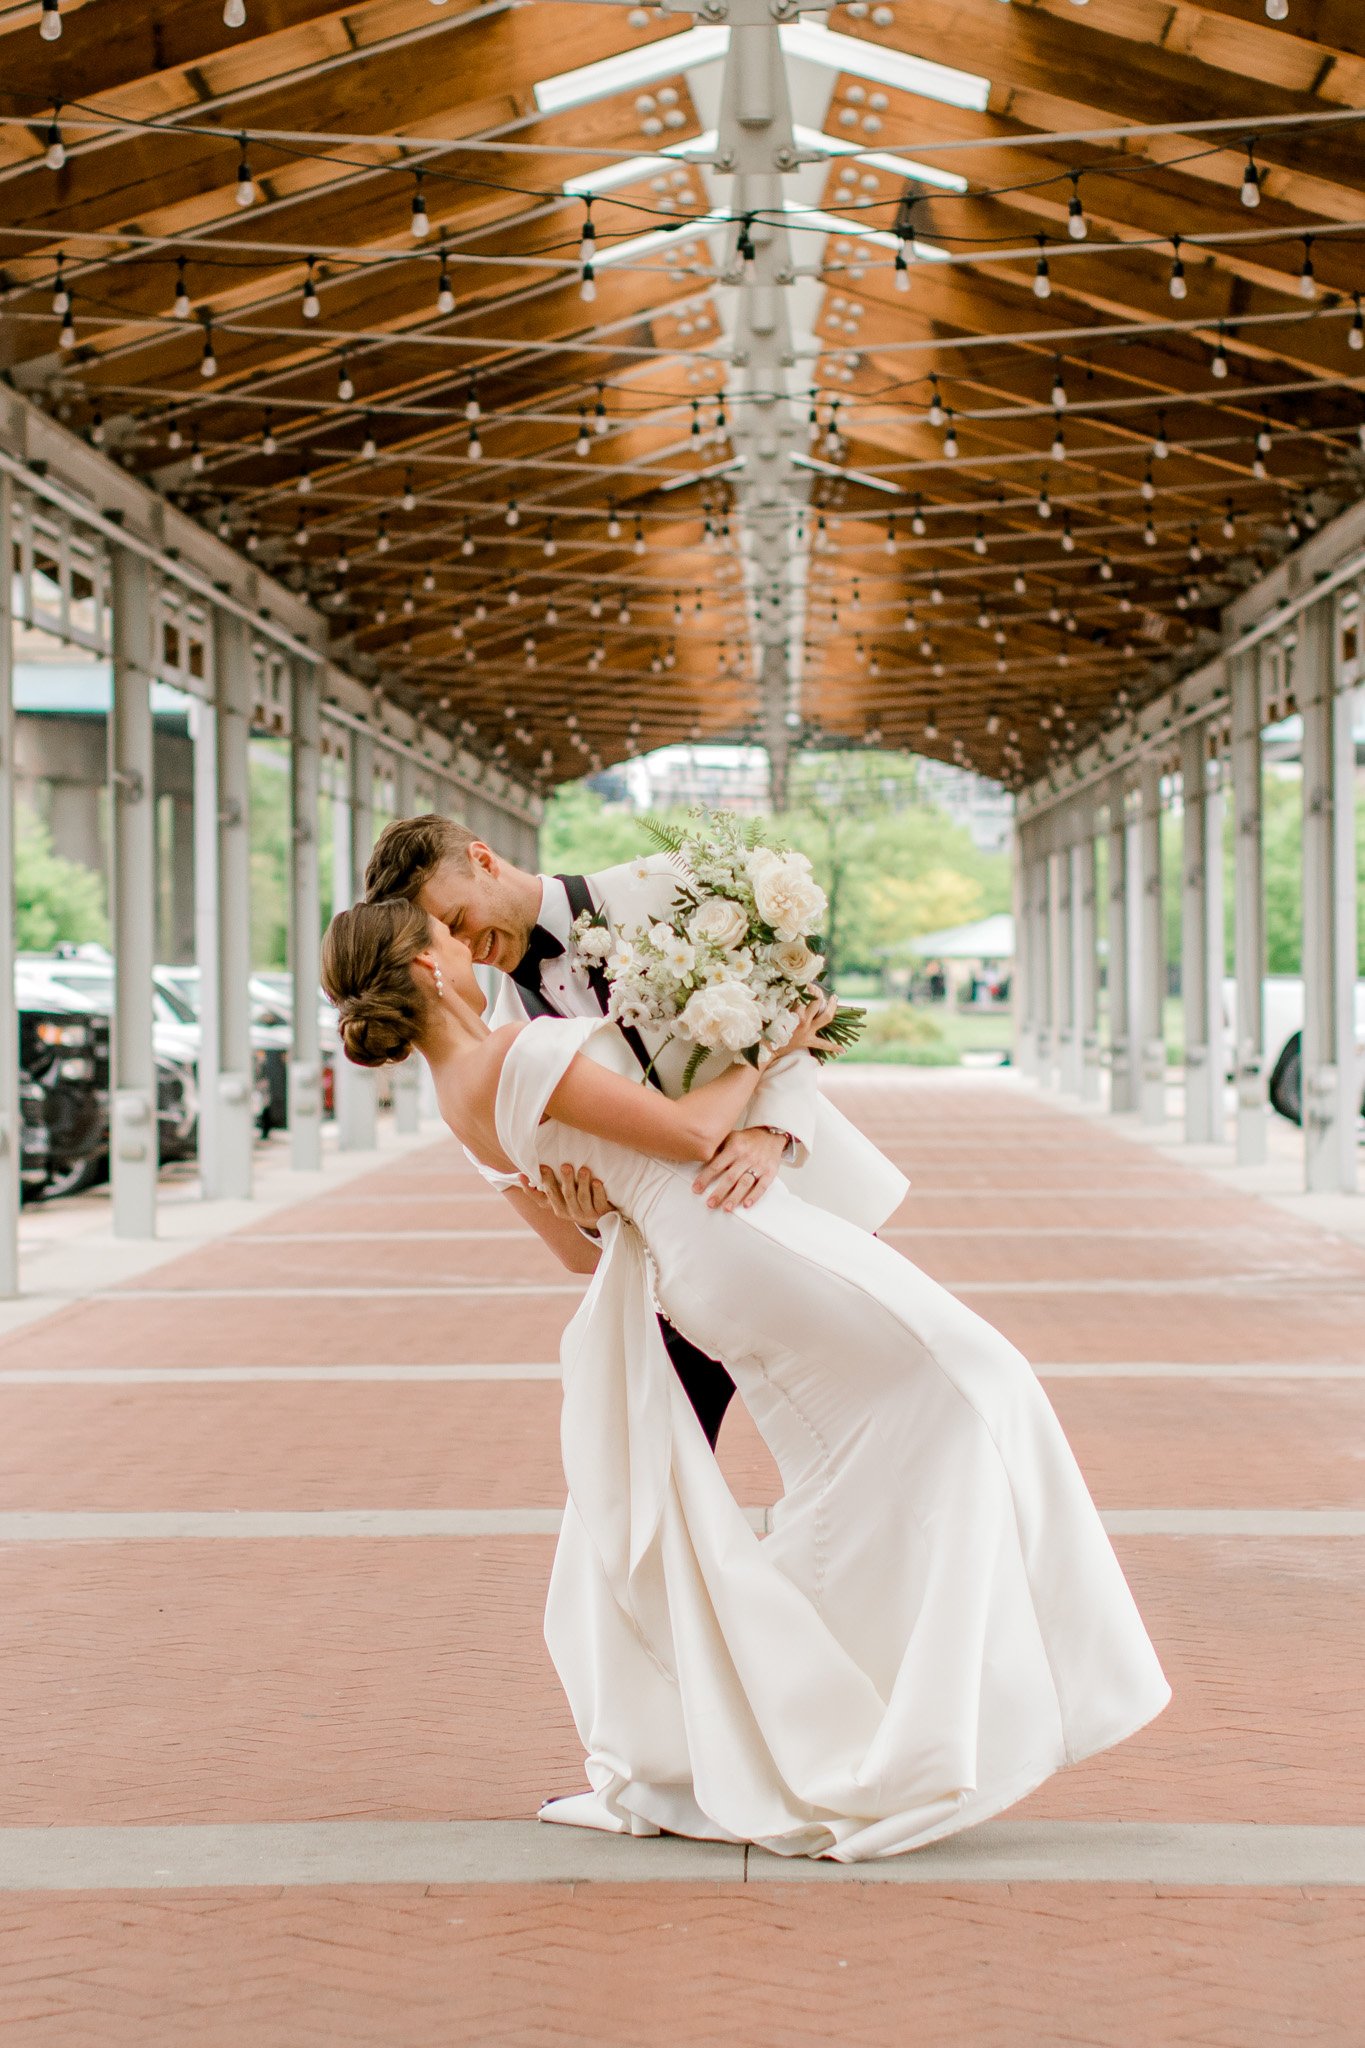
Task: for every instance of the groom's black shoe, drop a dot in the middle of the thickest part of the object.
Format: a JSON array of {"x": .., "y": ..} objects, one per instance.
[{"x": 706, "y": 1383}]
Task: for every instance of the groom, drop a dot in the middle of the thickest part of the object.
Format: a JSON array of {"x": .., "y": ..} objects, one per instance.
[{"x": 521, "y": 924}]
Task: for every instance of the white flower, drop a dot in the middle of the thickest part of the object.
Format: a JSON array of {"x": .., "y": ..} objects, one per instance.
[
  {"x": 679, "y": 953},
  {"x": 640, "y": 870},
  {"x": 786, "y": 896},
  {"x": 621, "y": 958},
  {"x": 797, "y": 962},
  {"x": 595, "y": 943},
  {"x": 719, "y": 922},
  {"x": 723, "y": 1018}
]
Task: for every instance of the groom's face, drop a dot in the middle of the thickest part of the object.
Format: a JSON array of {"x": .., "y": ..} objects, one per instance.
[{"x": 476, "y": 902}]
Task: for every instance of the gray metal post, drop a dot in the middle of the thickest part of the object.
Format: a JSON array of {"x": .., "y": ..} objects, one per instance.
[
  {"x": 1215, "y": 949},
  {"x": 1022, "y": 989},
  {"x": 1331, "y": 1098},
  {"x": 132, "y": 873},
  {"x": 305, "y": 918},
  {"x": 1087, "y": 1000},
  {"x": 1122, "y": 1060},
  {"x": 11, "y": 1125},
  {"x": 1199, "y": 1032},
  {"x": 1248, "y": 911},
  {"x": 407, "y": 1078},
  {"x": 1064, "y": 962},
  {"x": 1042, "y": 953},
  {"x": 1150, "y": 1006},
  {"x": 356, "y": 1087},
  {"x": 225, "y": 1170}
]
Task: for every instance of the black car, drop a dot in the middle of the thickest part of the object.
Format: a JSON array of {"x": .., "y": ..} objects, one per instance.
[{"x": 64, "y": 1084}]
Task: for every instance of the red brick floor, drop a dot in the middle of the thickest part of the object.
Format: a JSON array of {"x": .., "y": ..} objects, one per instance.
[{"x": 403, "y": 1678}]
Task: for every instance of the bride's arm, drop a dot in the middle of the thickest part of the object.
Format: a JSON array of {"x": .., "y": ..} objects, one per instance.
[{"x": 606, "y": 1105}]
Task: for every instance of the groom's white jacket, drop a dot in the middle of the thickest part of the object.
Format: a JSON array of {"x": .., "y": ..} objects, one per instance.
[{"x": 839, "y": 1169}]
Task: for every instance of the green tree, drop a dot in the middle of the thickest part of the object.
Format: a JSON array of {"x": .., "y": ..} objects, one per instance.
[
  {"x": 54, "y": 898},
  {"x": 580, "y": 835}
]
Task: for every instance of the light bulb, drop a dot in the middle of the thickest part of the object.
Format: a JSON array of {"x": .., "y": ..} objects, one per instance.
[
  {"x": 420, "y": 223},
  {"x": 1356, "y": 337},
  {"x": 902, "y": 272},
  {"x": 1251, "y": 183},
  {"x": 1277, "y": 10},
  {"x": 588, "y": 286},
  {"x": 246, "y": 184},
  {"x": 475, "y": 445},
  {"x": 445, "y": 297},
  {"x": 1308, "y": 283},
  {"x": 234, "y": 14},
  {"x": 56, "y": 148},
  {"x": 311, "y": 306},
  {"x": 345, "y": 387},
  {"x": 181, "y": 307},
  {"x": 175, "y": 439},
  {"x": 50, "y": 26},
  {"x": 1042, "y": 280}
]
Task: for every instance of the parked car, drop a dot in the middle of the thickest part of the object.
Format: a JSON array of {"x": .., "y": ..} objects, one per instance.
[
  {"x": 1283, "y": 999},
  {"x": 63, "y": 1089},
  {"x": 272, "y": 1000},
  {"x": 272, "y": 1035}
]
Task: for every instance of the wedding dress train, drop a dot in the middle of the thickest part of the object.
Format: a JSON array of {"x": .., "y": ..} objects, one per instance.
[{"x": 937, "y": 1620}]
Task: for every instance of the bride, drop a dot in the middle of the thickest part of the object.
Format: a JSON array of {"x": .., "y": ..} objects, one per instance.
[{"x": 935, "y": 1621}]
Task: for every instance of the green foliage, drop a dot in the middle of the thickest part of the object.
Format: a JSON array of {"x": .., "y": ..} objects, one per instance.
[
  {"x": 271, "y": 826},
  {"x": 54, "y": 898},
  {"x": 900, "y": 1036},
  {"x": 580, "y": 836}
]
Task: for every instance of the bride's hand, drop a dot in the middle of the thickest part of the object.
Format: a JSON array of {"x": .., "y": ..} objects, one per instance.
[{"x": 817, "y": 1014}]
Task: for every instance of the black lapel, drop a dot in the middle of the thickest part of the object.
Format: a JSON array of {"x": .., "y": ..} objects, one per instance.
[{"x": 581, "y": 903}]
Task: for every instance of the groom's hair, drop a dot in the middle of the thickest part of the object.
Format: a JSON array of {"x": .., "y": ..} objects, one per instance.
[{"x": 408, "y": 852}]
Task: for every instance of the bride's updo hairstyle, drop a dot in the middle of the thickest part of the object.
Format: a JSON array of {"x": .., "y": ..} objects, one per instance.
[{"x": 367, "y": 956}]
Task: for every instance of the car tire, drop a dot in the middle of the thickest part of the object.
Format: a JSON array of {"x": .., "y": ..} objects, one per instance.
[
  {"x": 1286, "y": 1083},
  {"x": 74, "y": 1180}
]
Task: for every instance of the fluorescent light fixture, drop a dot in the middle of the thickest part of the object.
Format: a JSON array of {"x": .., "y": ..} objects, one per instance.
[
  {"x": 633, "y": 67},
  {"x": 835, "y": 224},
  {"x": 657, "y": 238},
  {"x": 852, "y": 476},
  {"x": 879, "y": 160},
  {"x": 632, "y": 169},
  {"x": 885, "y": 67}
]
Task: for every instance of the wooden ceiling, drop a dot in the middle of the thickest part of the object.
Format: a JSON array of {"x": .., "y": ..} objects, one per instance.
[{"x": 571, "y": 588}]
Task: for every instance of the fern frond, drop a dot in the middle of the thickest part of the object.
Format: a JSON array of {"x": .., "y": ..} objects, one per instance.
[
  {"x": 696, "y": 1060},
  {"x": 669, "y": 837}
]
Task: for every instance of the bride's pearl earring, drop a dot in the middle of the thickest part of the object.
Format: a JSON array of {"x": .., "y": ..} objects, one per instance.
[{"x": 440, "y": 984}]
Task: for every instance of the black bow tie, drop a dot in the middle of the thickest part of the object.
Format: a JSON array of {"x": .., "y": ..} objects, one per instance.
[{"x": 540, "y": 947}]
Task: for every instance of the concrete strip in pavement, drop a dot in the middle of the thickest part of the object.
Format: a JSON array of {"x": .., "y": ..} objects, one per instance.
[
  {"x": 548, "y": 1369},
  {"x": 366, "y": 1852}
]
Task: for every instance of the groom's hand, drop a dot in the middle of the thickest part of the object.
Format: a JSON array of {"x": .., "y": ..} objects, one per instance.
[
  {"x": 744, "y": 1168},
  {"x": 575, "y": 1196}
]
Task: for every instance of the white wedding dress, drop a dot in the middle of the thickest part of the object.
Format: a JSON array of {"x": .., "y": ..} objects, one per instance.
[{"x": 937, "y": 1620}]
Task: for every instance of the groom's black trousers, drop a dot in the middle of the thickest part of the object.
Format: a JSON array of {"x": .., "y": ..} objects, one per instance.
[{"x": 706, "y": 1383}]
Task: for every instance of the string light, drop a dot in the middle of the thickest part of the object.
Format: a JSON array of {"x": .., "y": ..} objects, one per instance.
[
  {"x": 639, "y": 541},
  {"x": 512, "y": 514},
  {"x": 445, "y": 297},
  {"x": 208, "y": 361},
  {"x": 613, "y": 523},
  {"x": 1044, "y": 502},
  {"x": 1042, "y": 276},
  {"x": 234, "y": 14},
  {"x": 409, "y": 498},
  {"x": 381, "y": 538},
  {"x": 475, "y": 449},
  {"x": 1161, "y": 447},
  {"x": 950, "y": 447},
  {"x": 55, "y": 154},
  {"x": 61, "y": 297},
  {"x": 268, "y": 441},
  {"x": 917, "y": 522},
  {"x": 1059, "y": 387},
  {"x": 50, "y": 22},
  {"x": 246, "y": 184},
  {"x": 369, "y": 448},
  {"x": 902, "y": 272},
  {"x": 311, "y": 305},
  {"x": 181, "y": 306},
  {"x": 174, "y": 437},
  {"x": 582, "y": 444},
  {"x": 1251, "y": 179},
  {"x": 1229, "y": 523},
  {"x": 1076, "y": 224},
  {"x": 587, "y": 249},
  {"x": 1277, "y": 10},
  {"x": 1356, "y": 337},
  {"x": 1058, "y": 440},
  {"x": 1219, "y": 365},
  {"x": 935, "y": 403},
  {"x": 1308, "y": 283},
  {"x": 600, "y": 416},
  {"x": 1178, "y": 287},
  {"x": 420, "y": 224}
]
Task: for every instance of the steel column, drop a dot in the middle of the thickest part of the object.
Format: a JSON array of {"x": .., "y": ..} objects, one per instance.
[
  {"x": 1248, "y": 911},
  {"x": 1149, "y": 1009},
  {"x": 132, "y": 878},
  {"x": 1202, "y": 1030},
  {"x": 1042, "y": 952},
  {"x": 356, "y": 1088},
  {"x": 1064, "y": 962},
  {"x": 1083, "y": 887},
  {"x": 225, "y": 1163},
  {"x": 305, "y": 919},
  {"x": 1122, "y": 1059},
  {"x": 11, "y": 1119},
  {"x": 1331, "y": 1095},
  {"x": 1022, "y": 989}
]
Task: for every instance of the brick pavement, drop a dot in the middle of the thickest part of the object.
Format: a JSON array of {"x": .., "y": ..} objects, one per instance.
[{"x": 402, "y": 1679}]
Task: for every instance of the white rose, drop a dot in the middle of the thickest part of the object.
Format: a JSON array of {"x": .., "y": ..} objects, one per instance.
[
  {"x": 718, "y": 922},
  {"x": 595, "y": 943},
  {"x": 723, "y": 1018},
  {"x": 787, "y": 898},
  {"x": 797, "y": 962}
]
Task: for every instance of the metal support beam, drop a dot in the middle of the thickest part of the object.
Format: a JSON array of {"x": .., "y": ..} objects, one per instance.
[
  {"x": 1064, "y": 963},
  {"x": 11, "y": 1122},
  {"x": 1023, "y": 992},
  {"x": 356, "y": 1087},
  {"x": 1331, "y": 1094},
  {"x": 1122, "y": 1049},
  {"x": 1150, "y": 1006},
  {"x": 1044, "y": 1008},
  {"x": 1248, "y": 911},
  {"x": 1201, "y": 998},
  {"x": 225, "y": 1151},
  {"x": 305, "y": 919},
  {"x": 407, "y": 1078},
  {"x": 132, "y": 871},
  {"x": 1087, "y": 999}
]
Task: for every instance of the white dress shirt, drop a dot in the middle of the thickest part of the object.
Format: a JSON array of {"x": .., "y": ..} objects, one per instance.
[{"x": 563, "y": 981}]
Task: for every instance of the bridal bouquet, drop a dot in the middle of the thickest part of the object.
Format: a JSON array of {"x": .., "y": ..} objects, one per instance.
[{"x": 736, "y": 961}]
